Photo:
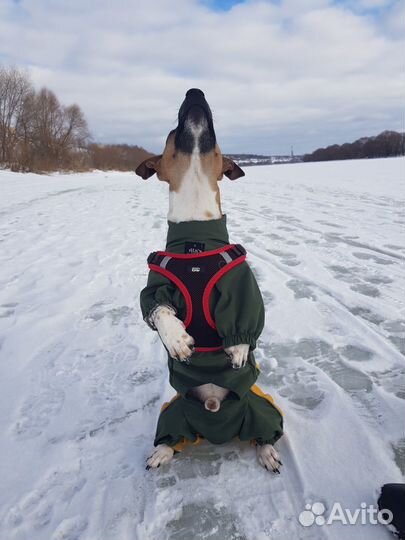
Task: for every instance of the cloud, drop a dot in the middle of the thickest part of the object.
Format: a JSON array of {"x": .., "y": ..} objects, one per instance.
[{"x": 275, "y": 73}]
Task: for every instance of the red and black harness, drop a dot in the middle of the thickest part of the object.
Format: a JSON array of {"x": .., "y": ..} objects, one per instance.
[{"x": 195, "y": 275}]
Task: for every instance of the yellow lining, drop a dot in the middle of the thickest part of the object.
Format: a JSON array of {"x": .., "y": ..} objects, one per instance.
[
  {"x": 179, "y": 447},
  {"x": 259, "y": 392},
  {"x": 167, "y": 403}
]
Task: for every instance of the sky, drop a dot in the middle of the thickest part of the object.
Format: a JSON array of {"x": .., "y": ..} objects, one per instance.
[{"x": 280, "y": 73}]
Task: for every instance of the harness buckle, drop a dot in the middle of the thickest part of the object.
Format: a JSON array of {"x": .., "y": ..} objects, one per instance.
[
  {"x": 239, "y": 250},
  {"x": 153, "y": 258}
]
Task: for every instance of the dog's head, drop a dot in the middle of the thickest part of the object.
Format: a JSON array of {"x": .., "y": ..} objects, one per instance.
[{"x": 193, "y": 139}]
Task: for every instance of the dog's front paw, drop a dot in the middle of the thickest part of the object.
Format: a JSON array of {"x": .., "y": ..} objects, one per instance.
[
  {"x": 238, "y": 354},
  {"x": 268, "y": 457},
  {"x": 172, "y": 333},
  {"x": 163, "y": 454},
  {"x": 179, "y": 344}
]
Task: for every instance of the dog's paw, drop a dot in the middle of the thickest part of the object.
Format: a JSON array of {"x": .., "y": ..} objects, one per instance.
[
  {"x": 268, "y": 457},
  {"x": 238, "y": 354},
  {"x": 171, "y": 330},
  {"x": 162, "y": 454}
]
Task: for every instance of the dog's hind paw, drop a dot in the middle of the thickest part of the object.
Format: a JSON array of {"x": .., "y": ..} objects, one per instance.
[
  {"x": 268, "y": 457},
  {"x": 162, "y": 454},
  {"x": 238, "y": 354}
]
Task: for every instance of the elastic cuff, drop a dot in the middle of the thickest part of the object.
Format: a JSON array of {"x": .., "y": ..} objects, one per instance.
[
  {"x": 237, "y": 339},
  {"x": 148, "y": 318}
]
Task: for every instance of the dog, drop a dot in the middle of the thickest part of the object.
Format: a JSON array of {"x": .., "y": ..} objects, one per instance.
[{"x": 204, "y": 302}]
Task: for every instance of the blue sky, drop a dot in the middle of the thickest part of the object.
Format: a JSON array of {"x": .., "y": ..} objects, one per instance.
[
  {"x": 372, "y": 8},
  {"x": 222, "y": 5},
  {"x": 306, "y": 73}
]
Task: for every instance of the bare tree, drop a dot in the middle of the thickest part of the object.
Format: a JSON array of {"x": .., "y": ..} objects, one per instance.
[
  {"x": 25, "y": 132},
  {"x": 14, "y": 88},
  {"x": 74, "y": 136},
  {"x": 56, "y": 134},
  {"x": 47, "y": 127}
]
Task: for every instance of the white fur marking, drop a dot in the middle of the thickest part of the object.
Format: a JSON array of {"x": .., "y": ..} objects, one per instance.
[
  {"x": 268, "y": 457},
  {"x": 172, "y": 333},
  {"x": 163, "y": 454},
  {"x": 209, "y": 390},
  {"x": 238, "y": 354},
  {"x": 195, "y": 197}
]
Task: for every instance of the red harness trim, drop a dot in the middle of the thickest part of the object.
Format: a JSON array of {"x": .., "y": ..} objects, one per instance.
[
  {"x": 181, "y": 286},
  {"x": 210, "y": 285},
  {"x": 195, "y": 255},
  {"x": 208, "y": 289},
  {"x": 208, "y": 349}
]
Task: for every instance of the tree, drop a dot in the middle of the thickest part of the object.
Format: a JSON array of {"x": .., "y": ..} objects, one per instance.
[
  {"x": 15, "y": 86},
  {"x": 51, "y": 136}
]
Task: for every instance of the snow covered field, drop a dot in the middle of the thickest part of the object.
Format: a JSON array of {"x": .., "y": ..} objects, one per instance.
[{"x": 82, "y": 377}]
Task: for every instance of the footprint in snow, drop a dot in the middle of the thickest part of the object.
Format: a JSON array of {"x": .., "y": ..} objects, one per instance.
[
  {"x": 366, "y": 314},
  {"x": 323, "y": 356},
  {"x": 391, "y": 380},
  {"x": 329, "y": 224},
  {"x": 8, "y": 309},
  {"x": 98, "y": 311},
  {"x": 365, "y": 289},
  {"x": 36, "y": 508},
  {"x": 344, "y": 273},
  {"x": 282, "y": 370},
  {"x": 70, "y": 529},
  {"x": 368, "y": 256},
  {"x": 289, "y": 259},
  {"x": 37, "y": 412},
  {"x": 285, "y": 228},
  {"x": 268, "y": 297},
  {"x": 355, "y": 353},
  {"x": 301, "y": 289},
  {"x": 394, "y": 247}
]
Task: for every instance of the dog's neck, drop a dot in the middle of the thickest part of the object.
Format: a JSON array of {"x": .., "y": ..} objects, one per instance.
[
  {"x": 196, "y": 198},
  {"x": 202, "y": 235}
]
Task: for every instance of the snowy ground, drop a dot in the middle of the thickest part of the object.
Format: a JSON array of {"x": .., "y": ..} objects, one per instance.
[{"x": 82, "y": 377}]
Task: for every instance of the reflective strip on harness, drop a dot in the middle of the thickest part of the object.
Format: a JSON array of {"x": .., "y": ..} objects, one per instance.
[
  {"x": 163, "y": 264},
  {"x": 226, "y": 256}
]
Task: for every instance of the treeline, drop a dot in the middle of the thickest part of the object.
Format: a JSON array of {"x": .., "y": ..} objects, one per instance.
[
  {"x": 117, "y": 157},
  {"x": 38, "y": 133},
  {"x": 386, "y": 144}
]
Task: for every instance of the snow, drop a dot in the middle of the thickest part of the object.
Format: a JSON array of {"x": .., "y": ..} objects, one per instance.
[{"x": 82, "y": 377}]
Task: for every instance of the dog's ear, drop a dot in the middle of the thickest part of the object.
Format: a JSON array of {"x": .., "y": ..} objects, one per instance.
[
  {"x": 230, "y": 169},
  {"x": 148, "y": 167}
]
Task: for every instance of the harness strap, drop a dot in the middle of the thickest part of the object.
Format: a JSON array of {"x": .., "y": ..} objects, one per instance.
[
  {"x": 181, "y": 286},
  {"x": 210, "y": 285},
  {"x": 159, "y": 257},
  {"x": 196, "y": 278}
]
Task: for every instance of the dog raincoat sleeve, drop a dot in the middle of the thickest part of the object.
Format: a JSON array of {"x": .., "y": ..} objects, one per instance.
[{"x": 239, "y": 310}]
